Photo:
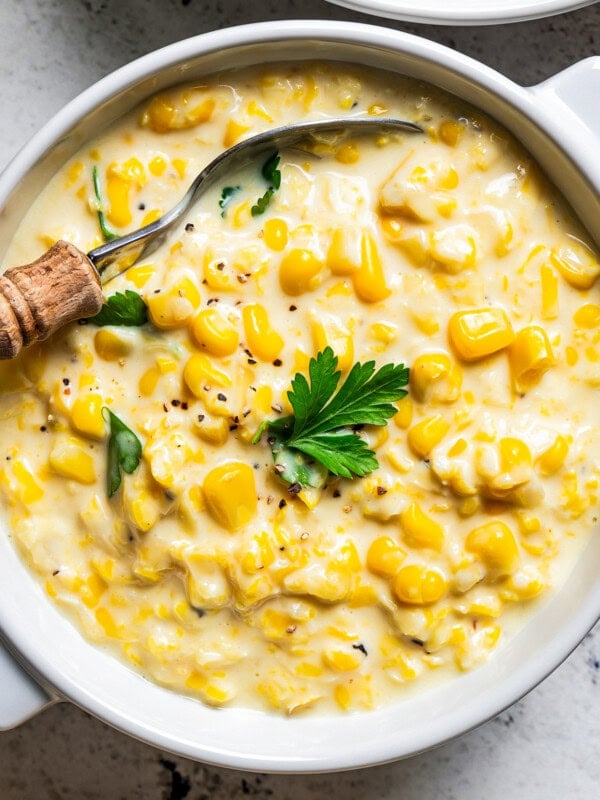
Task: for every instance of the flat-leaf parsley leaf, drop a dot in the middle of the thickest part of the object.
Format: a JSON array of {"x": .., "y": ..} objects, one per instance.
[
  {"x": 226, "y": 197},
  {"x": 124, "y": 451},
  {"x": 321, "y": 427},
  {"x": 271, "y": 173},
  {"x": 126, "y": 309}
]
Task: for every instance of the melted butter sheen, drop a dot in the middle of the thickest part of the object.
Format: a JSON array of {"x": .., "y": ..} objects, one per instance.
[{"x": 446, "y": 251}]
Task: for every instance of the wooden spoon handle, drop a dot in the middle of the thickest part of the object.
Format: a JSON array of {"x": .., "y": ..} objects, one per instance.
[{"x": 39, "y": 298}]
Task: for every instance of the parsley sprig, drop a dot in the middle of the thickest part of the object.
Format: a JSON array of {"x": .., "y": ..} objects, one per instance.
[
  {"x": 124, "y": 451},
  {"x": 122, "y": 308},
  {"x": 318, "y": 438}
]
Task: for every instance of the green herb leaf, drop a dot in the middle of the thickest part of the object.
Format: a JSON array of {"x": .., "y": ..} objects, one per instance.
[
  {"x": 226, "y": 197},
  {"x": 270, "y": 171},
  {"x": 318, "y": 436},
  {"x": 124, "y": 451},
  {"x": 106, "y": 232},
  {"x": 262, "y": 203},
  {"x": 272, "y": 175},
  {"x": 127, "y": 309}
]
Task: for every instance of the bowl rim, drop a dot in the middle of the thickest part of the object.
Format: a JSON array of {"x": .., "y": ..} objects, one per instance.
[
  {"x": 439, "y": 12},
  {"x": 42, "y": 664}
]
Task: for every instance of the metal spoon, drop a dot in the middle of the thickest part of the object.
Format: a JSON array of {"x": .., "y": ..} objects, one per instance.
[{"x": 64, "y": 284}]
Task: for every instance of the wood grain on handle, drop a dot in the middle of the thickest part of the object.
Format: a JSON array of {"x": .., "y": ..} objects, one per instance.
[{"x": 39, "y": 298}]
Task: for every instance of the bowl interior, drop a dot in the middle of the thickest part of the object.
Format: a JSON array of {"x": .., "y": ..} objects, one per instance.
[{"x": 52, "y": 647}]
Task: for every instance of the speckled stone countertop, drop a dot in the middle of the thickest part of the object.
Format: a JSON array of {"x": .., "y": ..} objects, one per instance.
[{"x": 543, "y": 748}]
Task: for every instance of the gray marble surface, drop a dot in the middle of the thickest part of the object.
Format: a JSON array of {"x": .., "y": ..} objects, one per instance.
[{"x": 546, "y": 747}]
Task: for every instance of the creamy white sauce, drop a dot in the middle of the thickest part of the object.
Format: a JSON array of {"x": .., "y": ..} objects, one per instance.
[{"x": 293, "y": 609}]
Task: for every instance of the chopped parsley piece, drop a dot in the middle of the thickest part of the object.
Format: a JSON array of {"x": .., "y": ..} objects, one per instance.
[
  {"x": 127, "y": 309},
  {"x": 124, "y": 451}
]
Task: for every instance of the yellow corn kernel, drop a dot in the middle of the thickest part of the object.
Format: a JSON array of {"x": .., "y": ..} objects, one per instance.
[
  {"x": 450, "y": 132},
  {"x": 403, "y": 417},
  {"x": 70, "y": 459},
  {"x": 343, "y": 255},
  {"x": 275, "y": 232},
  {"x": 341, "y": 660},
  {"x": 342, "y": 696},
  {"x": 552, "y": 459},
  {"x": 477, "y": 333},
  {"x": 164, "y": 114},
  {"x": 384, "y": 556},
  {"x": 435, "y": 378},
  {"x": 199, "y": 372},
  {"x": 157, "y": 165},
  {"x": 299, "y": 271},
  {"x": 383, "y": 332},
  {"x": 215, "y": 333},
  {"x": 425, "y": 435},
  {"x": 92, "y": 590},
  {"x": 73, "y": 173},
  {"x": 571, "y": 356},
  {"x": 495, "y": 544},
  {"x": 120, "y": 180},
  {"x": 174, "y": 307},
  {"x": 369, "y": 279},
  {"x": 180, "y": 166},
  {"x": 347, "y": 153},
  {"x": 577, "y": 265},
  {"x": 549, "y": 284},
  {"x": 214, "y": 430},
  {"x": 587, "y": 316},
  {"x": 21, "y": 481},
  {"x": 86, "y": 415},
  {"x": 233, "y": 132},
  {"x": 230, "y": 494},
  {"x": 330, "y": 332},
  {"x": 107, "y": 622},
  {"x": 262, "y": 341},
  {"x": 111, "y": 346},
  {"x": 420, "y": 530},
  {"x": 417, "y": 585},
  {"x": 140, "y": 276},
  {"x": 147, "y": 383},
  {"x": 530, "y": 356}
]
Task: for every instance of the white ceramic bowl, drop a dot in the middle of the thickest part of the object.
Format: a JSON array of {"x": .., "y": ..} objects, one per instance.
[
  {"x": 463, "y": 12},
  {"x": 559, "y": 121}
]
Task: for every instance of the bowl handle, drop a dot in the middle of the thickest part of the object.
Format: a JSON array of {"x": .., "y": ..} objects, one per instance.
[
  {"x": 20, "y": 696},
  {"x": 575, "y": 90}
]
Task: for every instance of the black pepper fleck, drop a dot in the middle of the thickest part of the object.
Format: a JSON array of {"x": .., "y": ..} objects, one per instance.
[{"x": 189, "y": 227}]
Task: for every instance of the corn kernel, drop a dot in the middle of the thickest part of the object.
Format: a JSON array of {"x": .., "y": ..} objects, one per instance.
[
  {"x": 148, "y": 381},
  {"x": 384, "y": 556},
  {"x": 549, "y": 284},
  {"x": 299, "y": 271},
  {"x": 552, "y": 459},
  {"x": 262, "y": 340},
  {"x": 425, "y": 435},
  {"x": 403, "y": 417},
  {"x": 450, "y": 132},
  {"x": 495, "y": 544},
  {"x": 530, "y": 356},
  {"x": 230, "y": 494},
  {"x": 276, "y": 234},
  {"x": 478, "y": 333},
  {"x": 233, "y": 132},
  {"x": 417, "y": 585},
  {"x": 343, "y": 255},
  {"x": 214, "y": 333},
  {"x": 112, "y": 346},
  {"x": 576, "y": 264},
  {"x": 420, "y": 530},
  {"x": 164, "y": 114},
  {"x": 341, "y": 661},
  {"x": 86, "y": 416},
  {"x": 175, "y": 306},
  {"x": 70, "y": 459},
  {"x": 587, "y": 316},
  {"x": 200, "y": 372},
  {"x": 435, "y": 378},
  {"x": 369, "y": 279},
  {"x": 328, "y": 331},
  {"x": 347, "y": 153}
]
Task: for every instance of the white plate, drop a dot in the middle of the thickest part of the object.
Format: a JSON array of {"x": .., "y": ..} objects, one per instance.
[{"x": 463, "y": 12}]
